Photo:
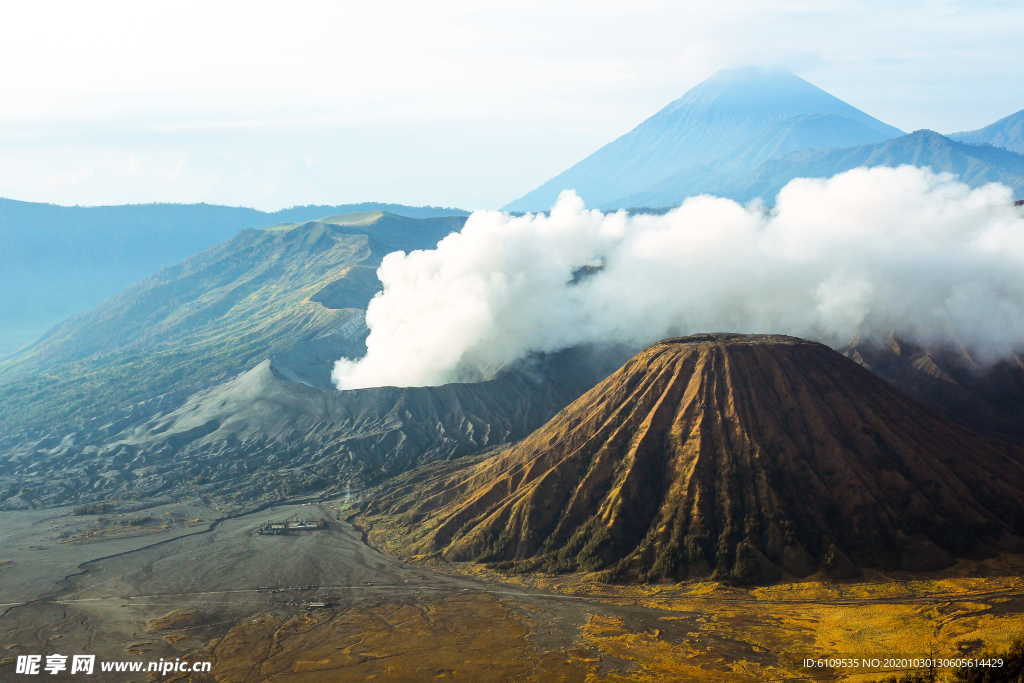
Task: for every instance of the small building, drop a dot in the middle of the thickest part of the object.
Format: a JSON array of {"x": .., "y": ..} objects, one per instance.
[
  {"x": 278, "y": 528},
  {"x": 307, "y": 524}
]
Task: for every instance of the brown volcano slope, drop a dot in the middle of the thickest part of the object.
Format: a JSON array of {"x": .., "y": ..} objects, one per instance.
[
  {"x": 745, "y": 458},
  {"x": 985, "y": 397}
]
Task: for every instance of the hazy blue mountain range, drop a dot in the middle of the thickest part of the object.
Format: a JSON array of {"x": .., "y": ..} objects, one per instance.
[
  {"x": 974, "y": 164},
  {"x": 56, "y": 261},
  {"x": 262, "y": 294},
  {"x": 1007, "y": 132},
  {"x": 212, "y": 378},
  {"x": 726, "y": 126}
]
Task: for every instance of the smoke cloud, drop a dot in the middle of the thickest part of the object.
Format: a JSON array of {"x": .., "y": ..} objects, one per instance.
[{"x": 867, "y": 253}]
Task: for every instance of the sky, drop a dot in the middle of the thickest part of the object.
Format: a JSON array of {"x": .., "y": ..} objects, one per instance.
[{"x": 452, "y": 102}]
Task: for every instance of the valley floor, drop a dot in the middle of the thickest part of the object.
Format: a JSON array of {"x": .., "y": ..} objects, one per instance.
[{"x": 125, "y": 587}]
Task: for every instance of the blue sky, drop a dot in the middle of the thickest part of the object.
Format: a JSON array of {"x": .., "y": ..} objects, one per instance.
[{"x": 452, "y": 102}]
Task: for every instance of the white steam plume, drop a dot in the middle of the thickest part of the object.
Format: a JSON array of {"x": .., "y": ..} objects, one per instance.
[{"x": 867, "y": 253}]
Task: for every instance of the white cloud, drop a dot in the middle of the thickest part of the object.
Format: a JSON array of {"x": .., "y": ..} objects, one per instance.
[{"x": 867, "y": 253}]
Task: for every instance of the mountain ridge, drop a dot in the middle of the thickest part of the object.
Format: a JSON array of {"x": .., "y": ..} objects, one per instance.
[
  {"x": 295, "y": 295},
  {"x": 267, "y": 433},
  {"x": 328, "y": 244},
  {"x": 1007, "y": 133},
  {"x": 59, "y": 261},
  {"x": 974, "y": 165}
]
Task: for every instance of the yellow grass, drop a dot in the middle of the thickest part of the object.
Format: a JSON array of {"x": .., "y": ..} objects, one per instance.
[{"x": 690, "y": 631}]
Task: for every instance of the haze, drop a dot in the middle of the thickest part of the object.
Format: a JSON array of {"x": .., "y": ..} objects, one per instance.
[{"x": 271, "y": 105}]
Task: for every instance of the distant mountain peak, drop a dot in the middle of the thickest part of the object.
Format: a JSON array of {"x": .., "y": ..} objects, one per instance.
[
  {"x": 751, "y": 72},
  {"x": 1007, "y": 132},
  {"x": 755, "y": 77},
  {"x": 927, "y": 133},
  {"x": 760, "y": 95},
  {"x": 727, "y": 124}
]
